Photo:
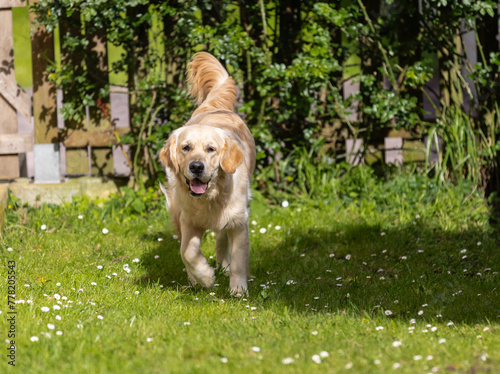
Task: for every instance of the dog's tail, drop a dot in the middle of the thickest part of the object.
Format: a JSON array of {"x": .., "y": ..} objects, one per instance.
[{"x": 210, "y": 84}]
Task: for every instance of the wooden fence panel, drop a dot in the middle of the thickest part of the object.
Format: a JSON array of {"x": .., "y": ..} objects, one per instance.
[
  {"x": 9, "y": 164},
  {"x": 12, "y": 98},
  {"x": 469, "y": 59},
  {"x": 46, "y": 154},
  {"x": 84, "y": 145}
]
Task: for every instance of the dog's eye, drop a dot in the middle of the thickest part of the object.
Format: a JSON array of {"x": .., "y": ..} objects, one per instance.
[
  {"x": 186, "y": 148},
  {"x": 210, "y": 149}
]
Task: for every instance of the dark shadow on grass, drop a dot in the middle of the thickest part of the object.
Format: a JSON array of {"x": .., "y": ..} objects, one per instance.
[
  {"x": 405, "y": 270},
  {"x": 163, "y": 263}
]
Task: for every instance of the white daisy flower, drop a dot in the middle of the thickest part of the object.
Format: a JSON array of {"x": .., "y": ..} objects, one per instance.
[{"x": 287, "y": 361}]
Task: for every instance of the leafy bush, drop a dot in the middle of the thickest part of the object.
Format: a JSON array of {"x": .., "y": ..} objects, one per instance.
[{"x": 291, "y": 60}]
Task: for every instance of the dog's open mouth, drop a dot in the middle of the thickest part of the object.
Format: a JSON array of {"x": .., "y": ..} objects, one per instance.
[{"x": 196, "y": 186}]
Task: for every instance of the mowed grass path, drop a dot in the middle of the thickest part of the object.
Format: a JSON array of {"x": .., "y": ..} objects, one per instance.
[{"x": 354, "y": 286}]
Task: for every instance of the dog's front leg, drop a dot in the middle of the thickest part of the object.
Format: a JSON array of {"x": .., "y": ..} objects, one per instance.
[
  {"x": 196, "y": 264},
  {"x": 240, "y": 253}
]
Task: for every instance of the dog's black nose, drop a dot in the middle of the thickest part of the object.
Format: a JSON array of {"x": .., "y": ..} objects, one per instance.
[{"x": 196, "y": 167}]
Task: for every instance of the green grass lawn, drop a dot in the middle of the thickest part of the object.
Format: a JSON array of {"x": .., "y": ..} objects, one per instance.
[{"x": 399, "y": 277}]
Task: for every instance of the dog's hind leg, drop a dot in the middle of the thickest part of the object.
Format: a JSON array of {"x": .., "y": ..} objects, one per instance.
[
  {"x": 222, "y": 250},
  {"x": 240, "y": 254}
]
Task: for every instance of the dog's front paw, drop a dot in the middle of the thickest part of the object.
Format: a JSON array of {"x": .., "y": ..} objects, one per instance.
[
  {"x": 203, "y": 275},
  {"x": 238, "y": 287},
  {"x": 192, "y": 279}
]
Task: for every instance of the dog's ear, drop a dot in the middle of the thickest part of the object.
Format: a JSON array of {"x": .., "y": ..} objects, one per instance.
[
  {"x": 168, "y": 154},
  {"x": 232, "y": 155}
]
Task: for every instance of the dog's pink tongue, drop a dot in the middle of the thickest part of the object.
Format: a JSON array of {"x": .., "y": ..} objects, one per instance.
[{"x": 198, "y": 186}]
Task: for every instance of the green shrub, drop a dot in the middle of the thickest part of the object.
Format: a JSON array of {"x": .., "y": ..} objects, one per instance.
[{"x": 290, "y": 60}]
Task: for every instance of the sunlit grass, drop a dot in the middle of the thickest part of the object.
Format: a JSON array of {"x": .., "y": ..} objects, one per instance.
[{"x": 366, "y": 285}]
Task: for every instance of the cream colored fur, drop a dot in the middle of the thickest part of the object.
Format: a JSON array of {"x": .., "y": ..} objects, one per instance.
[{"x": 216, "y": 137}]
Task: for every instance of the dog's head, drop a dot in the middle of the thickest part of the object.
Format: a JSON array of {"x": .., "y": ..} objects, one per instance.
[{"x": 198, "y": 154}]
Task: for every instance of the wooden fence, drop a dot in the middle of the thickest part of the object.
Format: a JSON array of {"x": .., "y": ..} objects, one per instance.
[
  {"x": 51, "y": 149},
  {"x": 13, "y": 99}
]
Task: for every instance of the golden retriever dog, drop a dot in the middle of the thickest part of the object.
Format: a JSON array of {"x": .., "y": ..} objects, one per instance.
[{"x": 209, "y": 163}]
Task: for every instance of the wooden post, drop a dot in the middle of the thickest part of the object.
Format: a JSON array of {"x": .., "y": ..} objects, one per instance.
[
  {"x": 393, "y": 150},
  {"x": 44, "y": 91},
  {"x": 47, "y": 167},
  {"x": 96, "y": 61},
  {"x": 468, "y": 61},
  {"x": 433, "y": 92},
  {"x": 350, "y": 89},
  {"x": 100, "y": 115},
  {"x": 12, "y": 97},
  {"x": 76, "y": 157},
  {"x": 354, "y": 151}
]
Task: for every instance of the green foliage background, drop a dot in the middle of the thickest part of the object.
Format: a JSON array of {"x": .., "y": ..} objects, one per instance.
[{"x": 291, "y": 60}]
